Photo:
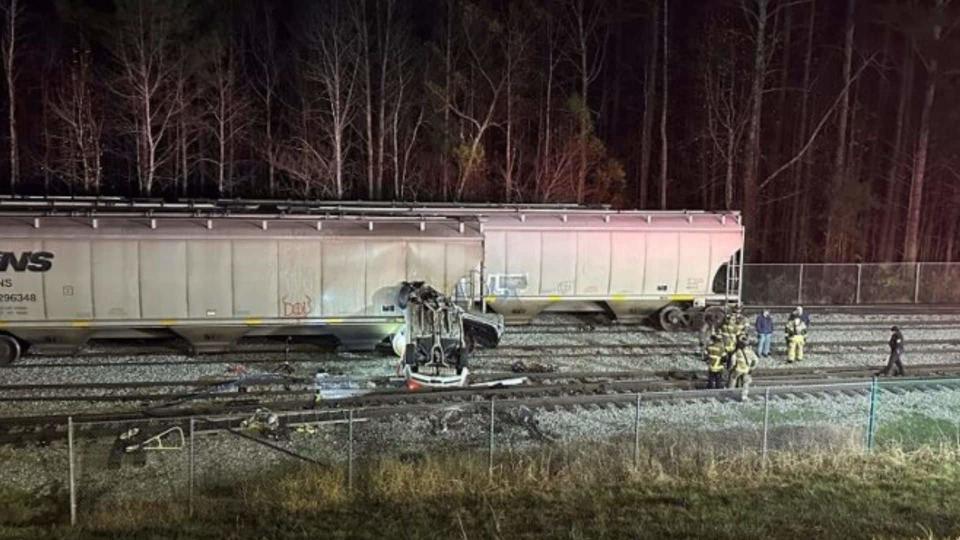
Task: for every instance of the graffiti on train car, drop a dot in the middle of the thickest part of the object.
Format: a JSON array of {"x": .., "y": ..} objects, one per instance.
[
  {"x": 506, "y": 285},
  {"x": 297, "y": 308}
]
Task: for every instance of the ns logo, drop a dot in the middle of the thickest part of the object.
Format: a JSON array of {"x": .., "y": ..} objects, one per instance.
[{"x": 26, "y": 261}]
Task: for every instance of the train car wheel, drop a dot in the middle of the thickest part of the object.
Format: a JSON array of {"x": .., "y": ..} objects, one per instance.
[
  {"x": 9, "y": 350},
  {"x": 672, "y": 319},
  {"x": 695, "y": 318},
  {"x": 714, "y": 315}
]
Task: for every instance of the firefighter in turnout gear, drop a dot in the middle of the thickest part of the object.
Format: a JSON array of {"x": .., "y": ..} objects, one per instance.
[
  {"x": 743, "y": 362},
  {"x": 715, "y": 357},
  {"x": 796, "y": 332},
  {"x": 739, "y": 322},
  {"x": 734, "y": 327}
]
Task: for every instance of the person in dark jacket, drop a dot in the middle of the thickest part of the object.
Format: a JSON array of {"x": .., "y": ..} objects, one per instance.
[
  {"x": 764, "y": 326},
  {"x": 896, "y": 353}
]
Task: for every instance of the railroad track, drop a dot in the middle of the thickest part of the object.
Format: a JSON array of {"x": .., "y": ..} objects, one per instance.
[
  {"x": 386, "y": 387},
  {"x": 572, "y": 350},
  {"x": 817, "y": 326},
  {"x": 553, "y": 391}
]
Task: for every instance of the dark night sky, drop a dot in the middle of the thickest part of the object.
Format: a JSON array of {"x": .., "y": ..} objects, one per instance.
[{"x": 709, "y": 43}]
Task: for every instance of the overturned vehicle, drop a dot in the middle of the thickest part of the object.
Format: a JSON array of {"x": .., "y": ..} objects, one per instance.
[{"x": 438, "y": 336}]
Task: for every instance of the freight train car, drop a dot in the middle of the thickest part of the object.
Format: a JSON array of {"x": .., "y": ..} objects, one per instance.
[
  {"x": 213, "y": 272},
  {"x": 674, "y": 264},
  {"x": 65, "y": 280}
]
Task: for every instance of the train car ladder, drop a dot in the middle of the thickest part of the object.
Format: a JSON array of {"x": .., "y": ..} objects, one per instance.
[{"x": 734, "y": 271}]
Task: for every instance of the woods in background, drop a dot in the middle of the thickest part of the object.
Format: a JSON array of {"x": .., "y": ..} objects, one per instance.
[{"x": 829, "y": 123}]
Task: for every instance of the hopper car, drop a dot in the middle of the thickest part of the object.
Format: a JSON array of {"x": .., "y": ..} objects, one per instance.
[{"x": 215, "y": 272}]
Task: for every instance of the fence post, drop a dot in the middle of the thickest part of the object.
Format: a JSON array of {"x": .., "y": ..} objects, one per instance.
[
  {"x": 872, "y": 421},
  {"x": 766, "y": 422},
  {"x": 192, "y": 465},
  {"x": 490, "y": 466},
  {"x": 800, "y": 286},
  {"x": 73, "y": 487},
  {"x": 859, "y": 276},
  {"x": 916, "y": 286},
  {"x": 636, "y": 436},
  {"x": 350, "y": 450}
]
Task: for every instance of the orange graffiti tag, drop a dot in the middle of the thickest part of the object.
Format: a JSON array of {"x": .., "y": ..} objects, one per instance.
[{"x": 297, "y": 309}]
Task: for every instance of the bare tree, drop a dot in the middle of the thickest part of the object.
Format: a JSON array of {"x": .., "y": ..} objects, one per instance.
[
  {"x": 551, "y": 39},
  {"x": 759, "y": 14},
  {"x": 664, "y": 102},
  {"x": 188, "y": 124},
  {"x": 727, "y": 103},
  {"x": 798, "y": 210},
  {"x": 333, "y": 48},
  {"x": 143, "y": 49},
  {"x": 515, "y": 57},
  {"x": 475, "y": 105},
  {"x": 896, "y": 162},
  {"x": 404, "y": 110},
  {"x": 586, "y": 51},
  {"x": 13, "y": 11},
  {"x": 228, "y": 109},
  {"x": 265, "y": 83},
  {"x": 649, "y": 95},
  {"x": 78, "y": 114},
  {"x": 927, "y": 46},
  {"x": 833, "y": 245}
]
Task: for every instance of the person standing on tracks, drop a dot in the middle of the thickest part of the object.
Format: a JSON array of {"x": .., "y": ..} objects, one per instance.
[
  {"x": 764, "y": 326},
  {"x": 894, "y": 362},
  {"x": 744, "y": 361},
  {"x": 796, "y": 331},
  {"x": 715, "y": 356}
]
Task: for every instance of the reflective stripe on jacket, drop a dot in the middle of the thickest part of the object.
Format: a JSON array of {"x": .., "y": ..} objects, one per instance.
[
  {"x": 795, "y": 327},
  {"x": 715, "y": 353},
  {"x": 744, "y": 360}
]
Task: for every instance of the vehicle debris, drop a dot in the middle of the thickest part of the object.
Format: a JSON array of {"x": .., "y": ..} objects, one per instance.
[
  {"x": 535, "y": 367},
  {"x": 446, "y": 420},
  {"x": 330, "y": 387},
  {"x": 438, "y": 336},
  {"x": 265, "y": 423},
  {"x": 168, "y": 439}
]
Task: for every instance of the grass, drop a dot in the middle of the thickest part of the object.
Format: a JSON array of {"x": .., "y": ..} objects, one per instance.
[
  {"x": 573, "y": 493},
  {"x": 916, "y": 430}
]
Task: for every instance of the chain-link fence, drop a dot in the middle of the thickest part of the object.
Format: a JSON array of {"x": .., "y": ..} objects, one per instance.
[
  {"x": 175, "y": 460},
  {"x": 851, "y": 284}
]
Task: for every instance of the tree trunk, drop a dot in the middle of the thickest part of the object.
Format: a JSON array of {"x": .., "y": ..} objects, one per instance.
[
  {"x": 783, "y": 119},
  {"x": 447, "y": 87},
  {"x": 835, "y": 234},
  {"x": 912, "y": 240},
  {"x": 951, "y": 236},
  {"x": 584, "y": 113},
  {"x": 9, "y": 55},
  {"x": 385, "y": 29},
  {"x": 798, "y": 222},
  {"x": 509, "y": 150},
  {"x": 649, "y": 93},
  {"x": 892, "y": 213},
  {"x": 751, "y": 159},
  {"x": 363, "y": 31},
  {"x": 271, "y": 154},
  {"x": 663, "y": 111},
  {"x": 548, "y": 112}
]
